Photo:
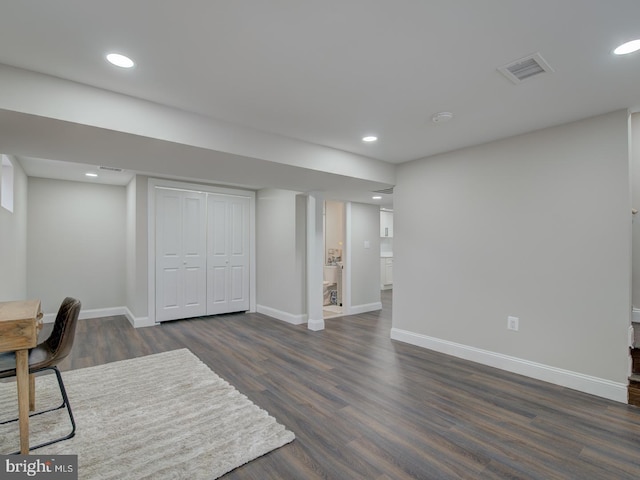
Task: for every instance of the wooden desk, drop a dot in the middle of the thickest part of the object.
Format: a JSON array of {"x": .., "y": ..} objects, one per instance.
[{"x": 20, "y": 322}]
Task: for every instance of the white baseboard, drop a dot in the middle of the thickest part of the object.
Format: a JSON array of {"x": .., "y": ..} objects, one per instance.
[
  {"x": 94, "y": 313},
  {"x": 105, "y": 312},
  {"x": 315, "y": 325},
  {"x": 635, "y": 315},
  {"x": 294, "y": 319},
  {"x": 138, "y": 322},
  {"x": 364, "y": 308},
  {"x": 566, "y": 378}
]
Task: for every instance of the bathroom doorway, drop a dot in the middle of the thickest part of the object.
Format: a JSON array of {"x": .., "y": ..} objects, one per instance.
[{"x": 334, "y": 249}]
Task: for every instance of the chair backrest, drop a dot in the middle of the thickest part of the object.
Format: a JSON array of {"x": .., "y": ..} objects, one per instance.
[{"x": 60, "y": 341}]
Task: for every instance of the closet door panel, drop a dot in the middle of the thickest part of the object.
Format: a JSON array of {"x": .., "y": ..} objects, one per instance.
[
  {"x": 202, "y": 253},
  {"x": 194, "y": 254},
  {"x": 237, "y": 283},
  {"x": 239, "y": 255},
  {"x": 217, "y": 254},
  {"x": 168, "y": 240},
  {"x": 180, "y": 254},
  {"x": 170, "y": 288},
  {"x": 217, "y": 291},
  {"x": 228, "y": 259}
]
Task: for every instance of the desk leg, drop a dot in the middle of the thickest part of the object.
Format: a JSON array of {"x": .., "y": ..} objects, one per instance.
[
  {"x": 22, "y": 377},
  {"x": 32, "y": 392}
]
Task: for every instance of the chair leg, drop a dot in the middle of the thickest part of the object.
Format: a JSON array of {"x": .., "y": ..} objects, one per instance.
[
  {"x": 33, "y": 414},
  {"x": 65, "y": 403}
]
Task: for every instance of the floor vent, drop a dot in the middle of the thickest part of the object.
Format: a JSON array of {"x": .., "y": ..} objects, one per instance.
[{"x": 525, "y": 68}]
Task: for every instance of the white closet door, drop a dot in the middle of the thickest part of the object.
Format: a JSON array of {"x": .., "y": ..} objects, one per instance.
[
  {"x": 180, "y": 254},
  {"x": 227, "y": 254}
]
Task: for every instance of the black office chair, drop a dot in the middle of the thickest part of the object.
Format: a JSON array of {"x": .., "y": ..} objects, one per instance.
[{"x": 46, "y": 356}]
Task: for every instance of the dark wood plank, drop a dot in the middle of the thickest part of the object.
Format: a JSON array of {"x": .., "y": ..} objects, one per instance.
[{"x": 365, "y": 407}]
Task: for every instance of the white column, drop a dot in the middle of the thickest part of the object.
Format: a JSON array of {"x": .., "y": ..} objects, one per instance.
[
  {"x": 346, "y": 259},
  {"x": 315, "y": 260}
]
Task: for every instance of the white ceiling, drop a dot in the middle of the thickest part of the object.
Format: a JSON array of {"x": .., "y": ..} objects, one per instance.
[
  {"x": 45, "y": 168},
  {"x": 330, "y": 71}
]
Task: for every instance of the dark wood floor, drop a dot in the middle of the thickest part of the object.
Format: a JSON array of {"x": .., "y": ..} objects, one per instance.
[{"x": 365, "y": 407}]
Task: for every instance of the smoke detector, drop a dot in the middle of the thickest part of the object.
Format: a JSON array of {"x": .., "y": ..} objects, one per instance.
[
  {"x": 441, "y": 117},
  {"x": 525, "y": 68}
]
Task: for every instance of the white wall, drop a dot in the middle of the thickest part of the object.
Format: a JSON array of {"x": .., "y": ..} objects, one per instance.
[
  {"x": 76, "y": 243},
  {"x": 218, "y": 143},
  {"x": 130, "y": 248},
  {"x": 365, "y": 257},
  {"x": 137, "y": 274},
  {"x": 333, "y": 227},
  {"x": 536, "y": 226},
  {"x": 280, "y": 252},
  {"x": 13, "y": 240},
  {"x": 635, "y": 196}
]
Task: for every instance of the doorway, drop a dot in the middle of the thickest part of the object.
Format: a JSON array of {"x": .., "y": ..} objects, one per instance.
[{"x": 333, "y": 262}]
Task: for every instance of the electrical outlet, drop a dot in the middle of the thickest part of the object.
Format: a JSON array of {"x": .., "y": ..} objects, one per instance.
[{"x": 513, "y": 323}]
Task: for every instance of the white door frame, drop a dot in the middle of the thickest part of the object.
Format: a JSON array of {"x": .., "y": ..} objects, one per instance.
[
  {"x": 315, "y": 260},
  {"x": 151, "y": 234}
]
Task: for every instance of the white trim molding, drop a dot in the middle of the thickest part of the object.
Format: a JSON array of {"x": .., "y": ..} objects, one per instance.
[
  {"x": 93, "y": 313},
  {"x": 138, "y": 322},
  {"x": 315, "y": 325},
  {"x": 135, "y": 322},
  {"x": 364, "y": 308},
  {"x": 565, "y": 378},
  {"x": 294, "y": 319},
  {"x": 635, "y": 315}
]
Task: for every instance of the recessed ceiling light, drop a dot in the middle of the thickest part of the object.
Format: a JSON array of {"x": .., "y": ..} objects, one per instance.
[
  {"x": 629, "y": 47},
  {"x": 369, "y": 138},
  {"x": 89, "y": 174},
  {"x": 120, "y": 60},
  {"x": 377, "y": 197}
]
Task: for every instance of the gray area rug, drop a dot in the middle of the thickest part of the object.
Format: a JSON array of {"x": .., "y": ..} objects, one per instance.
[{"x": 163, "y": 416}]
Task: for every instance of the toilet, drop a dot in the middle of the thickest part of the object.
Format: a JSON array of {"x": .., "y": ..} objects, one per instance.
[{"x": 329, "y": 284}]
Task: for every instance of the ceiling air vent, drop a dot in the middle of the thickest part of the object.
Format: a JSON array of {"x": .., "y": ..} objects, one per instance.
[
  {"x": 387, "y": 191},
  {"x": 110, "y": 169},
  {"x": 525, "y": 68}
]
